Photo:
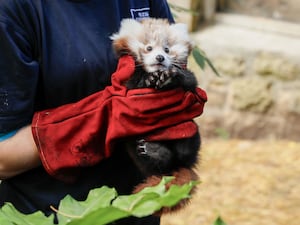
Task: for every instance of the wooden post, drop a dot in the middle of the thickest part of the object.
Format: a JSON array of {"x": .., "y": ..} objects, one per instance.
[{"x": 209, "y": 8}]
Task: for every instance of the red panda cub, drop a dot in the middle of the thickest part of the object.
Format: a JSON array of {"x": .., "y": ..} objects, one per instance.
[{"x": 160, "y": 50}]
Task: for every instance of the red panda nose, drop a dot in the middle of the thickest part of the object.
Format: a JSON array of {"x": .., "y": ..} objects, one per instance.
[{"x": 160, "y": 58}]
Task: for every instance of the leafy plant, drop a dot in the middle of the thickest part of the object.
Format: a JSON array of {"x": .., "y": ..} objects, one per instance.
[
  {"x": 201, "y": 59},
  {"x": 219, "y": 221},
  {"x": 102, "y": 206}
]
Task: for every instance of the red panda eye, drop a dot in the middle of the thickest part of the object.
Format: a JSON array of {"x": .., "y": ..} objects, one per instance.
[
  {"x": 149, "y": 48},
  {"x": 167, "y": 50}
]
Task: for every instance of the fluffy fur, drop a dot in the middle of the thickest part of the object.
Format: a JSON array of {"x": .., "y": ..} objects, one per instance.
[{"x": 160, "y": 50}]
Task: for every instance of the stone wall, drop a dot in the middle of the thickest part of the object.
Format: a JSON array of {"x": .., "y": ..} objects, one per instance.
[{"x": 258, "y": 93}]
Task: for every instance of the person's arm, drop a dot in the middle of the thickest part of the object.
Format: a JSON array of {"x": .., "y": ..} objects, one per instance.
[
  {"x": 18, "y": 80},
  {"x": 18, "y": 154}
]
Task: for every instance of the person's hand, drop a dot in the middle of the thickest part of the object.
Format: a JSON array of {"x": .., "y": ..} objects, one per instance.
[{"x": 83, "y": 133}]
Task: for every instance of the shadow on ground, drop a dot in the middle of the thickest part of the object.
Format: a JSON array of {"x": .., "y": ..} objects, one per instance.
[{"x": 246, "y": 183}]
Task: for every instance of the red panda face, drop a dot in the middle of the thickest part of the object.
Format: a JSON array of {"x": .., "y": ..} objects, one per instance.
[
  {"x": 155, "y": 44},
  {"x": 155, "y": 57}
]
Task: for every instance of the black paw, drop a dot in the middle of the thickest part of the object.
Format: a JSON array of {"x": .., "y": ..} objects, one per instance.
[
  {"x": 151, "y": 80},
  {"x": 165, "y": 78}
]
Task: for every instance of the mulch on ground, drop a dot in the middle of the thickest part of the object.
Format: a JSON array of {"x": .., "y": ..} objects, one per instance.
[{"x": 246, "y": 183}]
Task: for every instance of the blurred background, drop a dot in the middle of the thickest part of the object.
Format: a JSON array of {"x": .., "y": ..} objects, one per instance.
[{"x": 250, "y": 156}]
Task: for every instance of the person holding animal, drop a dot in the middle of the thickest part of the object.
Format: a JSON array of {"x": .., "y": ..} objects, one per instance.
[{"x": 59, "y": 130}]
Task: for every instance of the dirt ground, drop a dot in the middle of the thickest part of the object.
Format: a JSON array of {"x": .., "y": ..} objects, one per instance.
[{"x": 246, "y": 183}]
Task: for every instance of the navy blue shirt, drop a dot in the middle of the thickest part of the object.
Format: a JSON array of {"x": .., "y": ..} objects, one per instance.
[{"x": 54, "y": 52}]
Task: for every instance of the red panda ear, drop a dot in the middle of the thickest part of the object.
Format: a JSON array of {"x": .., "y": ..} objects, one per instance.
[
  {"x": 124, "y": 40},
  {"x": 121, "y": 47},
  {"x": 180, "y": 31}
]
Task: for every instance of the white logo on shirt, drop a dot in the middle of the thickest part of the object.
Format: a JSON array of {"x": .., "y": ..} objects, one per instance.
[{"x": 139, "y": 14}]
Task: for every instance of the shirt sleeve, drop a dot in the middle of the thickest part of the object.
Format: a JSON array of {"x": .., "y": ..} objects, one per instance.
[
  {"x": 18, "y": 69},
  {"x": 7, "y": 135}
]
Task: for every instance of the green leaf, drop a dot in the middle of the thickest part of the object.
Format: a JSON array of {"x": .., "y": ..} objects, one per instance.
[
  {"x": 176, "y": 193},
  {"x": 212, "y": 66},
  {"x": 10, "y": 215},
  {"x": 103, "y": 206},
  {"x": 4, "y": 221},
  {"x": 100, "y": 217},
  {"x": 219, "y": 221},
  {"x": 160, "y": 188},
  {"x": 139, "y": 205},
  {"x": 146, "y": 202},
  {"x": 97, "y": 198},
  {"x": 199, "y": 58}
]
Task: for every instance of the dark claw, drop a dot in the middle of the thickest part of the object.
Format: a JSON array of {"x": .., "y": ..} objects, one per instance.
[
  {"x": 151, "y": 80},
  {"x": 155, "y": 74},
  {"x": 163, "y": 77},
  {"x": 173, "y": 70},
  {"x": 141, "y": 147},
  {"x": 148, "y": 83}
]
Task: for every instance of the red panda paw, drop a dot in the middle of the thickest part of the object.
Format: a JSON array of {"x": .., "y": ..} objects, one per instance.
[{"x": 181, "y": 177}]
